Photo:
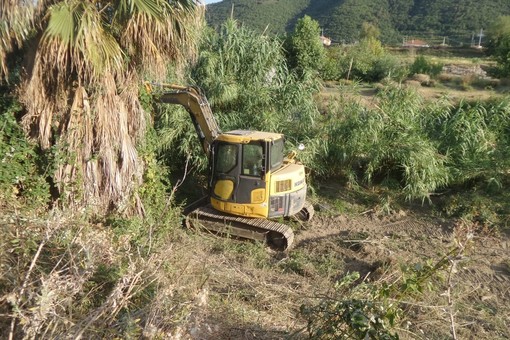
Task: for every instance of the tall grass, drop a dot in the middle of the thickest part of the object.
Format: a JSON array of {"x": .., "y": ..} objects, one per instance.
[
  {"x": 475, "y": 138},
  {"x": 387, "y": 143},
  {"x": 414, "y": 146},
  {"x": 246, "y": 80}
]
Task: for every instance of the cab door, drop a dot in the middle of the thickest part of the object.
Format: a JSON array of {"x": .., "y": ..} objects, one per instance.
[
  {"x": 225, "y": 170},
  {"x": 238, "y": 172},
  {"x": 252, "y": 186}
]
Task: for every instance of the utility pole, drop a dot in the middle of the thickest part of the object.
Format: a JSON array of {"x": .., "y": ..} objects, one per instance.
[{"x": 480, "y": 38}]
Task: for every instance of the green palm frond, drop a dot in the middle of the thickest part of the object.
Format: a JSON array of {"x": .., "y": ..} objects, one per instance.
[
  {"x": 16, "y": 22},
  {"x": 77, "y": 29},
  {"x": 153, "y": 8},
  {"x": 62, "y": 23}
]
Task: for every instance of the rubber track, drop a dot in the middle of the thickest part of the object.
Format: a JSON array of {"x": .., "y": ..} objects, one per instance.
[{"x": 264, "y": 229}]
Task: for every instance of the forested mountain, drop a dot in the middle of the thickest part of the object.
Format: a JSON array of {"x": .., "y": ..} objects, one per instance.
[{"x": 458, "y": 21}]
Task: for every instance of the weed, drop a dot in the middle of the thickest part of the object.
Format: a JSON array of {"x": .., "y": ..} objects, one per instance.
[
  {"x": 251, "y": 252},
  {"x": 22, "y": 181},
  {"x": 365, "y": 310},
  {"x": 296, "y": 262},
  {"x": 355, "y": 317}
]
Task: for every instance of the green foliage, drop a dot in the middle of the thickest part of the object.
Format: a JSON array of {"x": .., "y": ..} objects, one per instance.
[
  {"x": 246, "y": 80},
  {"x": 475, "y": 139},
  {"x": 499, "y": 43},
  {"x": 388, "y": 67},
  {"x": 366, "y": 61},
  {"x": 369, "y": 31},
  {"x": 331, "y": 69},
  {"x": 159, "y": 213},
  {"x": 305, "y": 51},
  {"x": 486, "y": 208},
  {"x": 389, "y": 142},
  {"x": 260, "y": 16},
  {"x": 415, "y": 147},
  {"x": 352, "y": 312},
  {"x": 371, "y": 310},
  {"x": 21, "y": 177},
  {"x": 178, "y": 143},
  {"x": 423, "y": 66},
  {"x": 343, "y": 20},
  {"x": 362, "y": 58}
]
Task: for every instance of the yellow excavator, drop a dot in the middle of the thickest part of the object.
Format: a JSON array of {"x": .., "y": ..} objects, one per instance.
[{"x": 251, "y": 181}]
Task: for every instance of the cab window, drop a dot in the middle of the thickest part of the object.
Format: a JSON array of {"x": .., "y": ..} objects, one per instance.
[
  {"x": 226, "y": 158},
  {"x": 252, "y": 159},
  {"x": 276, "y": 154}
]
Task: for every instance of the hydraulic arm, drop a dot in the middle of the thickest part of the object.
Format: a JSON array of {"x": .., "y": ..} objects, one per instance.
[{"x": 195, "y": 102}]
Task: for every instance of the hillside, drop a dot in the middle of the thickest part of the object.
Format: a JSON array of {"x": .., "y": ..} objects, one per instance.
[{"x": 456, "y": 21}]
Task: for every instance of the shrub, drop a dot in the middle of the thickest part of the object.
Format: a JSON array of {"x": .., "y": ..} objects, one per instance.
[
  {"x": 352, "y": 312},
  {"x": 331, "y": 69},
  {"x": 21, "y": 177},
  {"x": 423, "y": 65},
  {"x": 475, "y": 139},
  {"x": 305, "y": 52},
  {"x": 367, "y": 61},
  {"x": 358, "y": 309},
  {"x": 387, "y": 66}
]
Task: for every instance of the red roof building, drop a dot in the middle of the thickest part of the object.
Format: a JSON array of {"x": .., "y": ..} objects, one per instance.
[{"x": 415, "y": 43}]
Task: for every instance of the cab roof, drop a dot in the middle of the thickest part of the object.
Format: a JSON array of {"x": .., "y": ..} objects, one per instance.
[{"x": 246, "y": 136}]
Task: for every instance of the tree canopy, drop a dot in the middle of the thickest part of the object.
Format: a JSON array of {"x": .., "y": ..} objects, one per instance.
[
  {"x": 499, "y": 43},
  {"x": 304, "y": 47},
  {"x": 341, "y": 20}
]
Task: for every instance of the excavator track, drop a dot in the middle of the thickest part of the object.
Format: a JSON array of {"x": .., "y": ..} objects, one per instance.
[{"x": 277, "y": 236}]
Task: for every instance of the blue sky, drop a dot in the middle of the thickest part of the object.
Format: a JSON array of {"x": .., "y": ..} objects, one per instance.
[{"x": 211, "y": 1}]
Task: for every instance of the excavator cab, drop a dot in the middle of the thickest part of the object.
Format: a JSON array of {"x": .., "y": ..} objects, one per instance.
[{"x": 250, "y": 177}]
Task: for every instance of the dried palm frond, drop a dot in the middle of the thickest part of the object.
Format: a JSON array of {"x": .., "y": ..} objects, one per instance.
[{"x": 153, "y": 42}]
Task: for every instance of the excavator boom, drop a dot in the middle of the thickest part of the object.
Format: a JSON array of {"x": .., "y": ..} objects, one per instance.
[{"x": 192, "y": 99}]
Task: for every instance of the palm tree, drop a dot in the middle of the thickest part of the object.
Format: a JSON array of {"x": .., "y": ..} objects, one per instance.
[{"x": 86, "y": 60}]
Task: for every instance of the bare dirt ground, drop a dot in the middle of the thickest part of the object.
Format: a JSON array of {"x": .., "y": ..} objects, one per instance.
[
  {"x": 257, "y": 294},
  {"x": 374, "y": 246}
]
